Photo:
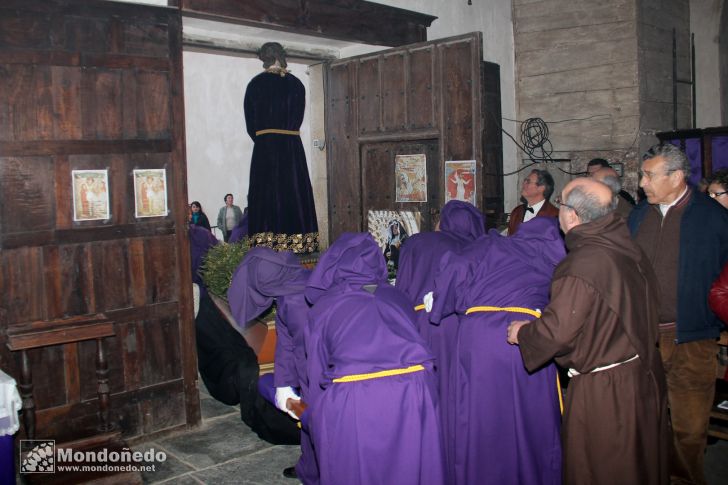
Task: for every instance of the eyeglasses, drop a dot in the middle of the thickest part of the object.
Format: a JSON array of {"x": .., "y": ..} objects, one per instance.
[
  {"x": 530, "y": 182},
  {"x": 651, "y": 175},
  {"x": 715, "y": 195},
  {"x": 559, "y": 203}
]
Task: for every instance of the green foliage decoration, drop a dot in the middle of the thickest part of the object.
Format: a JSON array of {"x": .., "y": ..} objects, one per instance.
[{"x": 220, "y": 263}]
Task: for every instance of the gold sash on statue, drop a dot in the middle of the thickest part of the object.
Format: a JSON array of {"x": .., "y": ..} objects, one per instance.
[{"x": 277, "y": 131}]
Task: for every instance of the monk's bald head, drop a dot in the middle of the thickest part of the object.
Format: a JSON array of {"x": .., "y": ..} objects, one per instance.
[
  {"x": 609, "y": 177},
  {"x": 588, "y": 198}
]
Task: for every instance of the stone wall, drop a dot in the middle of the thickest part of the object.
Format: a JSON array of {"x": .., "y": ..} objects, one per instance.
[{"x": 600, "y": 74}]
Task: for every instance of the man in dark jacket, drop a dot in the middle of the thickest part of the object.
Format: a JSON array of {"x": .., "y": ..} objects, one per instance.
[
  {"x": 601, "y": 324},
  {"x": 536, "y": 191},
  {"x": 685, "y": 236}
]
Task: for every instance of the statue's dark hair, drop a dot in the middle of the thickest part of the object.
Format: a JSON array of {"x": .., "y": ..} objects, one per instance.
[{"x": 270, "y": 52}]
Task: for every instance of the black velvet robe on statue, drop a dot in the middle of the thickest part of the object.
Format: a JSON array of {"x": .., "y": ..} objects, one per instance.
[{"x": 280, "y": 199}]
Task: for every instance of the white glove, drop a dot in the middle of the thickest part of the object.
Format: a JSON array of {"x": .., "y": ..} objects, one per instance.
[
  {"x": 428, "y": 300},
  {"x": 282, "y": 396}
]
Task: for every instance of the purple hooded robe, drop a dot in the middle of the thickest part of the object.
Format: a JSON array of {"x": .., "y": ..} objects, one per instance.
[
  {"x": 460, "y": 223},
  {"x": 506, "y": 421},
  {"x": 201, "y": 240},
  {"x": 378, "y": 430},
  {"x": 265, "y": 275}
]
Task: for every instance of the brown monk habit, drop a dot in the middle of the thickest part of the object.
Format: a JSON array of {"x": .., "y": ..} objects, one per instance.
[{"x": 603, "y": 311}]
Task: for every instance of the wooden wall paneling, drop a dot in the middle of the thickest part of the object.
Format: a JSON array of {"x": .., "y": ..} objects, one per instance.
[
  {"x": 87, "y": 367},
  {"x": 107, "y": 99},
  {"x": 155, "y": 405},
  {"x": 137, "y": 272},
  {"x": 129, "y": 94},
  {"x": 12, "y": 93},
  {"x": 492, "y": 175},
  {"x": 160, "y": 265},
  {"x": 457, "y": 102},
  {"x": 342, "y": 157},
  {"x": 121, "y": 190},
  {"x": 72, "y": 382},
  {"x": 178, "y": 178},
  {"x": 23, "y": 110},
  {"x": 132, "y": 353},
  {"x": 377, "y": 175},
  {"x": 26, "y": 184},
  {"x": 435, "y": 183},
  {"x": 21, "y": 27},
  {"x": 110, "y": 267},
  {"x": 43, "y": 100},
  {"x": 63, "y": 192},
  {"x": 161, "y": 340},
  {"x": 421, "y": 105},
  {"x": 23, "y": 295},
  {"x": 349, "y": 20},
  {"x": 394, "y": 98},
  {"x": 147, "y": 38},
  {"x": 86, "y": 32},
  {"x": 48, "y": 371},
  {"x": 126, "y": 409},
  {"x": 67, "y": 280},
  {"x": 66, "y": 99},
  {"x": 369, "y": 99},
  {"x": 153, "y": 104},
  {"x": 6, "y": 125}
]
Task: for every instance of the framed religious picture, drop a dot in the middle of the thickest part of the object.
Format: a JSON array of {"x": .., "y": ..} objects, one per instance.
[
  {"x": 460, "y": 181},
  {"x": 390, "y": 229},
  {"x": 90, "y": 195},
  {"x": 150, "y": 192},
  {"x": 410, "y": 174}
]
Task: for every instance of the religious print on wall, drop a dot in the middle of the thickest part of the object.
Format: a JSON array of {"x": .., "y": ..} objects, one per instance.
[
  {"x": 150, "y": 192},
  {"x": 90, "y": 195},
  {"x": 390, "y": 229},
  {"x": 410, "y": 174},
  {"x": 460, "y": 181}
]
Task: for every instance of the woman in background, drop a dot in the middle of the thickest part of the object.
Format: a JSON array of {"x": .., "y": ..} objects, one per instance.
[{"x": 197, "y": 217}]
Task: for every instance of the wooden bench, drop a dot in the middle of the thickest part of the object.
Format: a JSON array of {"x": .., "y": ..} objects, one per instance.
[{"x": 33, "y": 335}]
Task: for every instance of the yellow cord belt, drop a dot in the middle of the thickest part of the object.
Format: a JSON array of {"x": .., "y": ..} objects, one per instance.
[
  {"x": 512, "y": 309},
  {"x": 277, "y": 131},
  {"x": 381, "y": 373},
  {"x": 516, "y": 309},
  {"x": 419, "y": 307}
]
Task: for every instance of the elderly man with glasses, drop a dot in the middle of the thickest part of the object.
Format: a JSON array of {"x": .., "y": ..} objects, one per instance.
[
  {"x": 685, "y": 236},
  {"x": 601, "y": 324}
]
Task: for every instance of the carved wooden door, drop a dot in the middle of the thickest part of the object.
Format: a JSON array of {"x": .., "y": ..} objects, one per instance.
[
  {"x": 423, "y": 98},
  {"x": 96, "y": 86}
]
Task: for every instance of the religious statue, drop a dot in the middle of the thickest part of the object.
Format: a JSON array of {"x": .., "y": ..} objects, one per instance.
[{"x": 281, "y": 209}]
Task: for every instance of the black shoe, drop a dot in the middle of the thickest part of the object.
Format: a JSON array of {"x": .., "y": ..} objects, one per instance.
[{"x": 290, "y": 472}]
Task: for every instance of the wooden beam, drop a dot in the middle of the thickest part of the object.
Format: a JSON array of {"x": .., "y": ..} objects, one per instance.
[{"x": 348, "y": 20}]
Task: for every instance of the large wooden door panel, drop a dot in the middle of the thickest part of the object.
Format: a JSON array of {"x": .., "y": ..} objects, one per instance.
[
  {"x": 427, "y": 94},
  {"x": 95, "y": 86}
]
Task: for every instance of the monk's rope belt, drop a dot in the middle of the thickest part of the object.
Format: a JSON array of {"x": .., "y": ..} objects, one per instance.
[
  {"x": 574, "y": 372},
  {"x": 512, "y": 309},
  {"x": 381, "y": 373},
  {"x": 277, "y": 131}
]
